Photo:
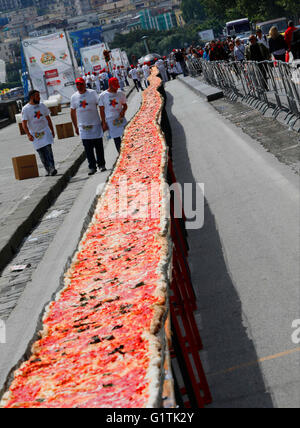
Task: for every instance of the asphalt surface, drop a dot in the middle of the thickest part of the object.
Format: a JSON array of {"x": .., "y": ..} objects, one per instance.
[{"x": 244, "y": 260}]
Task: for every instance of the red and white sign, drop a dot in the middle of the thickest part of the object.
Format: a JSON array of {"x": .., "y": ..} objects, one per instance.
[
  {"x": 51, "y": 74},
  {"x": 54, "y": 83},
  {"x": 50, "y": 57},
  {"x": 97, "y": 68}
]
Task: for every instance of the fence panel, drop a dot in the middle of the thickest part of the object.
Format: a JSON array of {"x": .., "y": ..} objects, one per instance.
[{"x": 263, "y": 85}]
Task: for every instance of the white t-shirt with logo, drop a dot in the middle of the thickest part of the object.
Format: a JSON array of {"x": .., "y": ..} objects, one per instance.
[
  {"x": 88, "y": 119},
  {"x": 113, "y": 105},
  {"x": 36, "y": 114},
  {"x": 133, "y": 73}
]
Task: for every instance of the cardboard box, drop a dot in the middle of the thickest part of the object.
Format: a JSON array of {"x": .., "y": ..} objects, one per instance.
[
  {"x": 25, "y": 167},
  {"x": 54, "y": 110},
  {"x": 64, "y": 130}
]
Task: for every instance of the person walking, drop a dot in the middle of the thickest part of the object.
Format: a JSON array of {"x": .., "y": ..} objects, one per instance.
[
  {"x": 278, "y": 45},
  {"x": 180, "y": 58},
  {"x": 288, "y": 35},
  {"x": 37, "y": 124},
  {"x": 256, "y": 51},
  {"x": 124, "y": 73},
  {"x": 259, "y": 53},
  {"x": 262, "y": 38},
  {"x": 160, "y": 64},
  {"x": 239, "y": 51},
  {"x": 98, "y": 83},
  {"x": 104, "y": 79},
  {"x": 113, "y": 106},
  {"x": 87, "y": 124},
  {"x": 147, "y": 72},
  {"x": 134, "y": 75}
]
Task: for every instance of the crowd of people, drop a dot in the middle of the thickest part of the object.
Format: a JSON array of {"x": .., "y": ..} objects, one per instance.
[
  {"x": 99, "y": 103},
  {"x": 91, "y": 113},
  {"x": 260, "y": 47}
]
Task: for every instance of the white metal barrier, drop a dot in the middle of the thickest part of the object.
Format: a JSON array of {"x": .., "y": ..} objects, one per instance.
[{"x": 263, "y": 85}]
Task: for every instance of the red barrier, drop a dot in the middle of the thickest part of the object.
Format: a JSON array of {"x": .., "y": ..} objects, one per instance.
[{"x": 186, "y": 338}]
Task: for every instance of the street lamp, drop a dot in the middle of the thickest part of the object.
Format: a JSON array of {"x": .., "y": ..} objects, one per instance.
[{"x": 144, "y": 38}]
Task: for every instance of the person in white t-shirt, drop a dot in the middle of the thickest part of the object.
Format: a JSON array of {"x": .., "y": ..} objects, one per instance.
[
  {"x": 134, "y": 75},
  {"x": 98, "y": 83},
  {"x": 146, "y": 72},
  {"x": 160, "y": 64},
  {"x": 113, "y": 106},
  {"x": 87, "y": 123},
  {"x": 37, "y": 124},
  {"x": 124, "y": 73},
  {"x": 120, "y": 77},
  {"x": 89, "y": 81}
]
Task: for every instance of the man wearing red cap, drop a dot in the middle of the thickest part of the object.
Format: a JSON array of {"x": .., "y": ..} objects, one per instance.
[
  {"x": 113, "y": 106},
  {"x": 87, "y": 123}
]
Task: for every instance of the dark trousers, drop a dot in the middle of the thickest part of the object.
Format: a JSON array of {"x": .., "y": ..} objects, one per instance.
[
  {"x": 184, "y": 68},
  {"x": 47, "y": 159},
  {"x": 280, "y": 57},
  {"x": 137, "y": 84},
  {"x": 118, "y": 143},
  {"x": 92, "y": 147}
]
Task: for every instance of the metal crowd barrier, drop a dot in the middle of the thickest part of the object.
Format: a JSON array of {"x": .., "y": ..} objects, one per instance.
[{"x": 266, "y": 85}]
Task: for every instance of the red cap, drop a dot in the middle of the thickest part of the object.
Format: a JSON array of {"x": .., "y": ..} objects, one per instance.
[
  {"x": 79, "y": 80},
  {"x": 113, "y": 81},
  {"x": 132, "y": 66}
]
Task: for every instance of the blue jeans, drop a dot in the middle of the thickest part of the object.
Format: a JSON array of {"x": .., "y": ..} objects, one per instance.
[{"x": 47, "y": 159}]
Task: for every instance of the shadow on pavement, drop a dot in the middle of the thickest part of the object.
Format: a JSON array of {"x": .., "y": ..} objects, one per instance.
[{"x": 233, "y": 373}]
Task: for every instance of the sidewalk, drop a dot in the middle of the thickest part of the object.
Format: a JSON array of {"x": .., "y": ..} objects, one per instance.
[{"x": 22, "y": 203}]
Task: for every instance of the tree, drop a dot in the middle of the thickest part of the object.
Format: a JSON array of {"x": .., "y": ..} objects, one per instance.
[{"x": 192, "y": 9}]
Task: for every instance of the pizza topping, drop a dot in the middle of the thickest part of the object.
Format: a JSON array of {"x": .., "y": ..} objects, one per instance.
[{"x": 115, "y": 284}]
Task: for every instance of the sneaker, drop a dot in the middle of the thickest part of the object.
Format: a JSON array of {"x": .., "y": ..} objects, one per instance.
[
  {"x": 53, "y": 172},
  {"x": 92, "y": 171},
  {"x": 102, "y": 168}
]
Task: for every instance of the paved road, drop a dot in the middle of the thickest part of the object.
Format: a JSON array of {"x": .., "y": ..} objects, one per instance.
[{"x": 245, "y": 260}]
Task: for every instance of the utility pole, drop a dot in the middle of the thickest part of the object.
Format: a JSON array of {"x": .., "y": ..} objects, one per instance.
[{"x": 144, "y": 38}]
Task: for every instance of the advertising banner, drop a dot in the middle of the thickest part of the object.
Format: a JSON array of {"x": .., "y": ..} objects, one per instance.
[
  {"x": 92, "y": 57},
  {"x": 2, "y": 71},
  {"x": 84, "y": 38},
  {"x": 116, "y": 57},
  {"x": 125, "y": 59},
  {"x": 50, "y": 65},
  {"x": 207, "y": 35}
]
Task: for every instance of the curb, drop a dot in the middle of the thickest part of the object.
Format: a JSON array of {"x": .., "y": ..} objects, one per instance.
[
  {"x": 205, "y": 91},
  {"x": 14, "y": 231}
]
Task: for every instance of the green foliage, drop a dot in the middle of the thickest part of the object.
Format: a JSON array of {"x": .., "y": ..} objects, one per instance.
[
  {"x": 203, "y": 15},
  {"x": 12, "y": 72},
  {"x": 192, "y": 9}
]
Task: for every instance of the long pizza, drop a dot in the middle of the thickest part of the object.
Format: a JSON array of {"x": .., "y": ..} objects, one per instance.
[{"x": 102, "y": 343}]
